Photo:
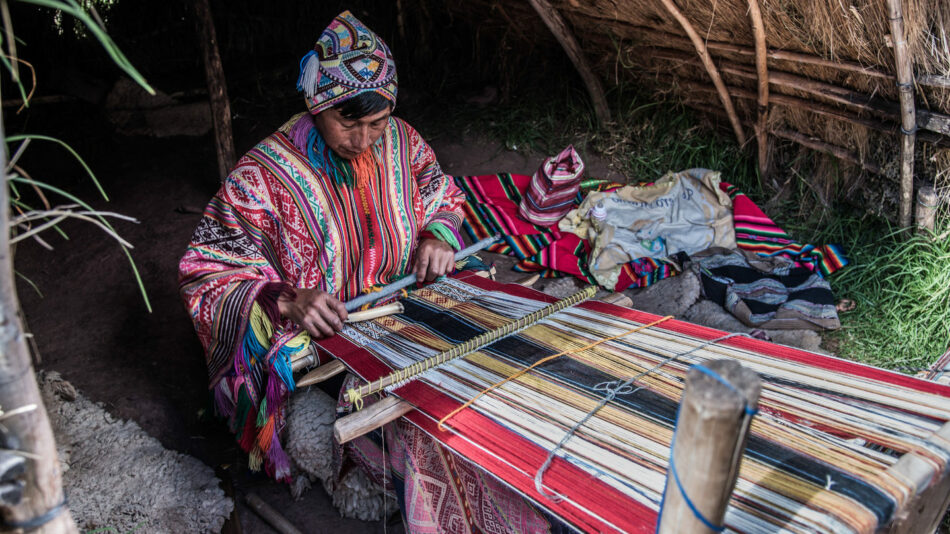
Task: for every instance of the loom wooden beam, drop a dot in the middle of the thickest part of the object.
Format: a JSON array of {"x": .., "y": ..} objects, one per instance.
[
  {"x": 924, "y": 510},
  {"x": 372, "y": 417},
  {"x": 217, "y": 88},
  {"x": 322, "y": 373},
  {"x": 389, "y": 409},
  {"x": 761, "y": 67},
  {"x": 710, "y": 437},
  {"x": 711, "y": 69},
  {"x": 553, "y": 20},
  {"x": 905, "y": 86}
]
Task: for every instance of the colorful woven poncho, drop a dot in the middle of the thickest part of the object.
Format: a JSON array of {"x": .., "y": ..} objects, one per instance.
[{"x": 278, "y": 223}]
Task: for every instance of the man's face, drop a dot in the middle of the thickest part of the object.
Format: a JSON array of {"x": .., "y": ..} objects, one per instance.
[{"x": 351, "y": 137}]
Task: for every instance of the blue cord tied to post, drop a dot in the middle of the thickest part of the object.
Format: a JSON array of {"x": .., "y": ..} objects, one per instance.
[{"x": 747, "y": 410}]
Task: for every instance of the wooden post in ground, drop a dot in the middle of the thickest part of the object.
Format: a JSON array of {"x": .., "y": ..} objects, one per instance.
[
  {"x": 710, "y": 437},
  {"x": 217, "y": 88},
  {"x": 43, "y": 491},
  {"x": 926, "y": 212},
  {"x": 905, "y": 85},
  {"x": 555, "y": 23}
]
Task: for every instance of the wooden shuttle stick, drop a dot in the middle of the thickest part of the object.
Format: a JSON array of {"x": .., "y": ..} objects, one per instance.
[
  {"x": 324, "y": 372},
  {"x": 373, "y": 313}
]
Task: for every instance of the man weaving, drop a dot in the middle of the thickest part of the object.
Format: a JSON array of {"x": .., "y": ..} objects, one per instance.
[{"x": 338, "y": 201}]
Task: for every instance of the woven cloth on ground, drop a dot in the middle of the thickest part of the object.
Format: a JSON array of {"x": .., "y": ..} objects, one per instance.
[
  {"x": 279, "y": 223},
  {"x": 681, "y": 212},
  {"x": 767, "y": 292},
  {"x": 492, "y": 207},
  {"x": 818, "y": 452}
]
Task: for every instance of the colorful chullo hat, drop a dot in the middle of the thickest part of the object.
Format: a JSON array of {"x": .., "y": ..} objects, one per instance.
[{"x": 347, "y": 60}]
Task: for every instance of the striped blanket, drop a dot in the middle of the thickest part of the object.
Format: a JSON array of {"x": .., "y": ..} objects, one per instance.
[
  {"x": 492, "y": 207},
  {"x": 818, "y": 454}
]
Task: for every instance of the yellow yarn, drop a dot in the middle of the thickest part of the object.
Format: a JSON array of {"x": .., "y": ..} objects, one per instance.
[{"x": 546, "y": 359}]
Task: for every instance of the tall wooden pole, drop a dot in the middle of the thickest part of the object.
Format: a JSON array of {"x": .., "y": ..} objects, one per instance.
[
  {"x": 555, "y": 23},
  {"x": 905, "y": 85},
  {"x": 43, "y": 492},
  {"x": 710, "y": 438},
  {"x": 761, "y": 66},
  {"x": 710, "y": 68},
  {"x": 217, "y": 88}
]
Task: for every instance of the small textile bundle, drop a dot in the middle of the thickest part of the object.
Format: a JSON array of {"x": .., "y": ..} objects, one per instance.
[
  {"x": 550, "y": 194},
  {"x": 767, "y": 292}
]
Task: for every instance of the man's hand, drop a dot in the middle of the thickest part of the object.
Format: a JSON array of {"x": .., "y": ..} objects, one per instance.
[
  {"x": 317, "y": 311},
  {"x": 434, "y": 258}
]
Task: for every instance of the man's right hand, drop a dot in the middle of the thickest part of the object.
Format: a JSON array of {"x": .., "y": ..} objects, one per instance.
[{"x": 317, "y": 311}]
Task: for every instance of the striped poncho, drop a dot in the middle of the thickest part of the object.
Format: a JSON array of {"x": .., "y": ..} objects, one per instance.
[{"x": 279, "y": 222}]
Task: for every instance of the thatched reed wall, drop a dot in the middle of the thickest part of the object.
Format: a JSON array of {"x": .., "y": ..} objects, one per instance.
[{"x": 844, "y": 99}]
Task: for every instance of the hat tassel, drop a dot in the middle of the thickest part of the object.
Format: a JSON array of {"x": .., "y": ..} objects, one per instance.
[{"x": 309, "y": 74}]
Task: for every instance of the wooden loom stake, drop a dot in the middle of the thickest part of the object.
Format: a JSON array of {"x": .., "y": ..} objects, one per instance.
[
  {"x": 710, "y": 437},
  {"x": 555, "y": 23},
  {"x": 924, "y": 509},
  {"x": 710, "y": 68},
  {"x": 761, "y": 66},
  {"x": 905, "y": 85}
]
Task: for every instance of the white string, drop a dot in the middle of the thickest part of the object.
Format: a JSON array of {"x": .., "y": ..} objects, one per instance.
[{"x": 612, "y": 389}]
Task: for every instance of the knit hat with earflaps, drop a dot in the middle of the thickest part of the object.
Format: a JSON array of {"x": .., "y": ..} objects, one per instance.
[{"x": 347, "y": 60}]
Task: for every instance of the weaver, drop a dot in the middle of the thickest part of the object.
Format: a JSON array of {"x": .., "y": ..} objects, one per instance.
[{"x": 819, "y": 456}]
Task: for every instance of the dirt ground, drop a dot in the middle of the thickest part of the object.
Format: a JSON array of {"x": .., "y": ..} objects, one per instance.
[{"x": 92, "y": 325}]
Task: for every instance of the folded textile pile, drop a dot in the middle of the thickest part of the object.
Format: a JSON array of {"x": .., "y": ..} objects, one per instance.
[{"x": 492, "y": 206}]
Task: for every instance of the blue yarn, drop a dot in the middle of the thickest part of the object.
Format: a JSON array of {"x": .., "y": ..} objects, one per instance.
[
  {"x": 321, "y": 157},
  {"x": 303, "y": 61},
  {"x": 282, "y": 366}
]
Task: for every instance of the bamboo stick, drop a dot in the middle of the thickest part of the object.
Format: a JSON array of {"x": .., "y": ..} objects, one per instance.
[
  {"x": 711, "y": 430},
  {"x": 905, "y": 86},
  {"x": 761, "y": 65},
  {"x": 710, "y": 68},
  {"x": 553, "y": 20}
]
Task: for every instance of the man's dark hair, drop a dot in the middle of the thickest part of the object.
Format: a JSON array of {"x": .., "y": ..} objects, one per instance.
[{"x": 362, "y": 105}]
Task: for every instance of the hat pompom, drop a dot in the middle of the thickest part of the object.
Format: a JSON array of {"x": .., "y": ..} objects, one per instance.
[{"x": 309, "y": 78}]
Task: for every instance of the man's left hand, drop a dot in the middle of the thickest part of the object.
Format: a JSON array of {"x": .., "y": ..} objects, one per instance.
[{"x": 434, "y": 258}]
